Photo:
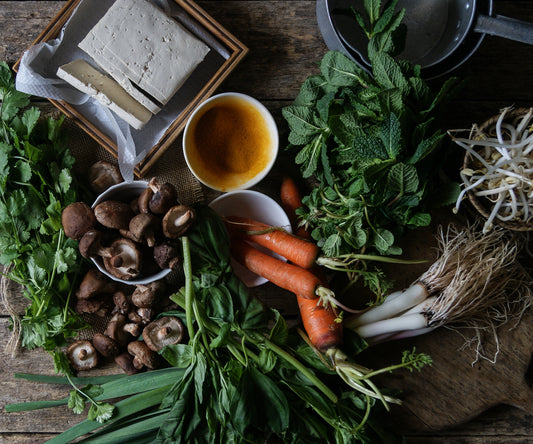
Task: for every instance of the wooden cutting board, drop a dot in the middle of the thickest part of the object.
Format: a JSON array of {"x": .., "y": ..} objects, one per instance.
[
  {"x": 453, "y": 391},
  {"x": 455, "y": 388}
]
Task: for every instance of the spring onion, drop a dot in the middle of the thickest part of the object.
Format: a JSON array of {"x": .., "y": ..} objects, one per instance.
[{"x": 476, "y": 282}]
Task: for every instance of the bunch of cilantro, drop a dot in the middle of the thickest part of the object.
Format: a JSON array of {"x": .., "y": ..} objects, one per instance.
[
  {"x": 371, "y": 143},
  {"x": 35, "y": 185}
]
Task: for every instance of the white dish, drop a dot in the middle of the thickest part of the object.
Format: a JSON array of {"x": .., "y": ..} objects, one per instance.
[
  {"x": 125, "y": 191},
  {"x": 257, "y": 206}
]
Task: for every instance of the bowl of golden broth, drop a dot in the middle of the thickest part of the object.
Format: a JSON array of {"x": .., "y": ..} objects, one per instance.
[{"x": 230, "y": 142}]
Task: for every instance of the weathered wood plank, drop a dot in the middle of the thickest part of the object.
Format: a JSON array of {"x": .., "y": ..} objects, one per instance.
[{"x": 285, "y": 47}]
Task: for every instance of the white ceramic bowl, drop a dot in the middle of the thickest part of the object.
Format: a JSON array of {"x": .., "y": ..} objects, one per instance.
[
  {"x": 257, "y": 206},
  {"x": 247, "y": 142},
  {"x": 125, "y": 192}
]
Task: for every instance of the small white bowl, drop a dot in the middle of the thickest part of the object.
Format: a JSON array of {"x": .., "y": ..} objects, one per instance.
[
  {"x": 257, "y": 206},
  {"x": 227, "y": 167},
  {"x": 125, "y": 192}
]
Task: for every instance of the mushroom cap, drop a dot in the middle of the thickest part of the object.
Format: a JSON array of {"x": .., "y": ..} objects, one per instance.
[
  {"x": 146, "y": 295},
  {"x": 82, "y": 355},
  {"x": 164, "y": 331},
  {"x": 105, "y": 345},
  {"x": 115, "y": 329},
  {"x": 103, "y": 175},
  {"x": 177, "y": 221},
  {"x": 167, "y": 255},
  {"x": 165, "y": 196},
  {"x": 91, "y": 244},
  {"x": 95, "y": 282},
  {"x": 113, "y": 214},
  {"x": 97, "y": 305},
  {"x": 122, "y": 301},
  {"x": 145, "y": 227},
  {"x": 143, "y": 355},
  {"x": 143, "y": 201},
  {"x": 77, "y": 218},
  {"x": 125, "y": 362},
  {"x": 126, "y": 260}
]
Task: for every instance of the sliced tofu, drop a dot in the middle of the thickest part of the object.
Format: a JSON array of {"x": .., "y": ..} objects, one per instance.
[
  {"x": 84, "y": 77},
  {"x": 116, "y": 69},
  {"x": 152, "y": 50}
]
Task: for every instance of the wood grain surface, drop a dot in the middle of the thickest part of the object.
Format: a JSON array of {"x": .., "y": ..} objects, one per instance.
[{"x": 446, "y": 403}]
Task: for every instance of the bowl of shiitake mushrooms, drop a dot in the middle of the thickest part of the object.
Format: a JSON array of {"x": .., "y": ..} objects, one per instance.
[{"x": 131, "y": 230}]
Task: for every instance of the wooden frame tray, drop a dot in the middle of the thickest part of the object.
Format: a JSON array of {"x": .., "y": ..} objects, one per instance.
[{"x": 236, "y": 51}]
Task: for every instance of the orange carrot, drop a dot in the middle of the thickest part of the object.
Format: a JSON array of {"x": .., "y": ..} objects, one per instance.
[
  {"x": 291, "y": 200},
  {"x": 287, "y": 276},
  {"x": 320, "y": 323},
  {"x": 299, "y": 251}
]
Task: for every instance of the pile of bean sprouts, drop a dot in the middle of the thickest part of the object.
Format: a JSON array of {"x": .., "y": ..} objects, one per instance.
[{"x": 501, "y": 171}]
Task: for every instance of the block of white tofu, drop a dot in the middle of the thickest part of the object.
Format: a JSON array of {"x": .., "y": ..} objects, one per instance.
[
  {"x": 82, "y": 76},
  {"x": 151, "y": 49}
]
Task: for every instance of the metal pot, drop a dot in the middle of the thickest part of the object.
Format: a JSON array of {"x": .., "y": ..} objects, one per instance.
[{"x": 437, "y": 29}]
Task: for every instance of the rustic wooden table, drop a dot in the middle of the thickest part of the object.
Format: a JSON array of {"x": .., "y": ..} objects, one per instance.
[{"x": 285, "y": 46}]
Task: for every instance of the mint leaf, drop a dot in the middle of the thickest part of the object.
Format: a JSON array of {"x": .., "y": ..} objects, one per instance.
[
  {"x": 388, "y": 73},
  {"x": 403, "y": 179},
  {"x": 384, "y": 20},
  {"x": 383, "y": 240},
  {"x": 420, "y": 220},
  {"x": 340, "y": 71},
  {"x": 425, "y": 148},
  {"x": 302, "y": 121},
  {"x": 369, "y": 147},
  {"x": 372, "y": 8},
  {"x": 391, "y": 135}
]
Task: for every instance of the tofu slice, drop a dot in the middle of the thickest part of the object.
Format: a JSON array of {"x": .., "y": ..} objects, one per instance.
[
  {"x": 82, "y": 76},
  {"x": 116, "y": 69},
  {"x": 152, "y": 50}
]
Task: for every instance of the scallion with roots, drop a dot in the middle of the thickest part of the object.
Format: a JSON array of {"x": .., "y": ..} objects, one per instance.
[
  {"x": 501, "y": 171},
  {"x": 476, "y": 282}
]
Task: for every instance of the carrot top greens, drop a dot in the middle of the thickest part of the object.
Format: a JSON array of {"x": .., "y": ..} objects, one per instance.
[{"x": 371, "y": 142}]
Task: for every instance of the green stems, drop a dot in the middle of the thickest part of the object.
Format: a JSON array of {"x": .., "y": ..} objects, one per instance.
[
  {"x": 302, "y": 369},
  {"x": 189, "y": 293}
]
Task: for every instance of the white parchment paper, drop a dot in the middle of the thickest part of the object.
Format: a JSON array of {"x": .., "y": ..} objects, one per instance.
[{"x": 37, "y": 76}]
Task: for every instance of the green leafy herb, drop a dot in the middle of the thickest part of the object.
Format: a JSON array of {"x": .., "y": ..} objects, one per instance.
[
  {"x": 370, "y": 142},
  {"x": 35, "y": 185}
]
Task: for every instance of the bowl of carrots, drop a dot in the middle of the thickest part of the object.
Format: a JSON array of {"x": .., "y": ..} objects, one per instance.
[{"x": 251, "y": 205}]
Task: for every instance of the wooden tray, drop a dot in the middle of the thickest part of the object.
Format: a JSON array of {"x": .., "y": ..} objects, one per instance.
[{"x": 236, "y": 50}]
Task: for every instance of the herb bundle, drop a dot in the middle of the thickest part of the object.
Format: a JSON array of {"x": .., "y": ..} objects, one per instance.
[
  {"x": 371, "y": 144},
  {"x": 35, "y": 185}
]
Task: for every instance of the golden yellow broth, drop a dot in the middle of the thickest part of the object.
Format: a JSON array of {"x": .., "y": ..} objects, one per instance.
[{"x": 229, "y": 144}]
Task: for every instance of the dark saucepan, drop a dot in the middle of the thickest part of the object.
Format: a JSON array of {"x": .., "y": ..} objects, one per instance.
[{"x": 436, "y": 28}]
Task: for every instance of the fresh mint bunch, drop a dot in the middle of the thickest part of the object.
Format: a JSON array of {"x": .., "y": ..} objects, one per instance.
[
  {"x": 36, "y": 183},
  {"x": 370, "y": 141}
]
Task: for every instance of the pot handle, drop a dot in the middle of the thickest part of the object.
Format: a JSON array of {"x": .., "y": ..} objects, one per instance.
[{"x": 505, "y": 27}]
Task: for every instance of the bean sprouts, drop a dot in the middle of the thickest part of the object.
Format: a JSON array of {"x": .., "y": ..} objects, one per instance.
[{"x": 501, "y": 168}]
